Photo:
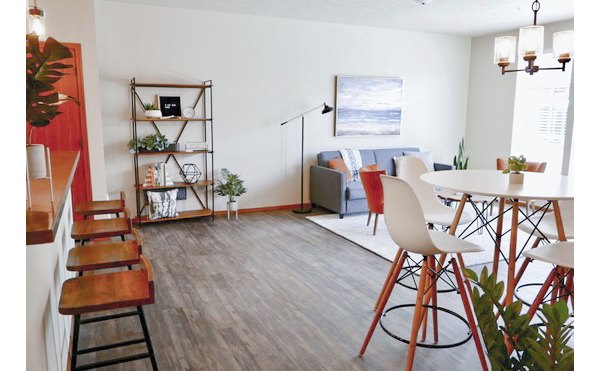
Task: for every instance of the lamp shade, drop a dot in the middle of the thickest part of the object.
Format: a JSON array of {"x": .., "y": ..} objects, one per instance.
[
  {"x": 563, "y": 45},
  {"x": 326, "y": 109},
  {"x": 531, "y": 41},
  {"x": 504, "y": 49},
  {"x": 36, "y": 23}
]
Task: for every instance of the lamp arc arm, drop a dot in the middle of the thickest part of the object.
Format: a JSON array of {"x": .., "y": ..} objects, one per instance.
[{"x": 303, "y": 113}]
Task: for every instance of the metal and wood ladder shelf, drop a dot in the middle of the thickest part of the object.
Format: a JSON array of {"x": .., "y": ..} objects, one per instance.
[{"x": 205, "y": 193}]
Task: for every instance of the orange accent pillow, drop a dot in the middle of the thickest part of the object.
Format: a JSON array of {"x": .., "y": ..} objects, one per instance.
[
  {"x": 339, "y": 164},
  {"x": 369, "y": 168}
]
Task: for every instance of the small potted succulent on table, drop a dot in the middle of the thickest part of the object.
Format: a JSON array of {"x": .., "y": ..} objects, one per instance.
[
  {"x": 151, "y": 111},
  {"x": 151, "y": 143},
  {"x": 232, "y": 186},
  {"x": 515, "y": 167}
]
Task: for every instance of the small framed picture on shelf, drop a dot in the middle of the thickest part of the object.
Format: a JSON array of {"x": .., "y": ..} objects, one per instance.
[{"x": 170, "y": 106}]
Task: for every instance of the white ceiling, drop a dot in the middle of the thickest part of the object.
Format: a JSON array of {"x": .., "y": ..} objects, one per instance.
[{"x": 459, "y": 17}]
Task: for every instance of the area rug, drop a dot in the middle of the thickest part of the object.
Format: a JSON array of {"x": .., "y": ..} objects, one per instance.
[{"x": 354, "y": 228}]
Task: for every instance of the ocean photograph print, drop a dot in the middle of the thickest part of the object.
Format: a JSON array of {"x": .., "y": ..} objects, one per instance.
[{"x": 368, "y": 105}]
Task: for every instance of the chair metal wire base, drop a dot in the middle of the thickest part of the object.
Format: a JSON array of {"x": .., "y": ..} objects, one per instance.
[{"x": 427, "y": 345}]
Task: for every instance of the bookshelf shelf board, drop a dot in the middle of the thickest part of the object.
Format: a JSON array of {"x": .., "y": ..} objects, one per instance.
[
  {"x": 202, "y": 183},
  {"x": 174, "y": 119},
  {"x": 177, "y": 86},
  {"x": 172, "y": 153},
  {"x": 182, "y": 215}
]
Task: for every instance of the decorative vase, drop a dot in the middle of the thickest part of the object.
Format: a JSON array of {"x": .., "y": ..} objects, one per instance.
[
  {"x": 153, "y": 114},
  {"x": 516, "y": 178},
  {"x": 36, "y": 161},
  {"x": 232, "y": 206}
]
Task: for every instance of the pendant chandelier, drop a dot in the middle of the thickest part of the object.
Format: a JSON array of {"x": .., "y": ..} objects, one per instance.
[
  {"x": 36, "y": 23},
  {"x": 531, "y": 45}
]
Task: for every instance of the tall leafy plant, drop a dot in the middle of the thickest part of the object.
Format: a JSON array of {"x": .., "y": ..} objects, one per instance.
[
  {"x": 533, "y": 347},
  {"x": 230, "y": 185},
  {"x": 461, "y": 161},
  {"x": 43, "y": 70}
]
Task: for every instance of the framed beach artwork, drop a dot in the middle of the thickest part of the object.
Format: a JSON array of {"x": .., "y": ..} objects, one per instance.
[{"x": 368, "y": 105}]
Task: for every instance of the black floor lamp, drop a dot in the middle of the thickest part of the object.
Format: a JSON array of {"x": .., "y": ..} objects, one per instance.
[{"x": 326, "y": 109}]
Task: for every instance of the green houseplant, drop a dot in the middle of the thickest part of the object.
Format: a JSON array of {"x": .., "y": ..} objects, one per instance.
[
  {"x": 515, "y": 166},
  {"x": 151, "y": 143},
  {"x": 534, "y": 347},
  {"x": 232, "y": 186},
  {"x": 151, "y": 110},
  {"x": 43, "y": 69},
  {"x": 461, "y": 161}
]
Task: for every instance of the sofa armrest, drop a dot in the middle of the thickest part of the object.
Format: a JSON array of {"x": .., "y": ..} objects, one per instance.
[
  {"x": 328, "y": 188},
  {"x": 440, "y": 167}
]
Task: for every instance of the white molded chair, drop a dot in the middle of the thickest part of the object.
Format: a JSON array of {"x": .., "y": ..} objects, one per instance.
[
  {"x": 561, "y": 255},
  {"x": 410, "y": 169},
  {"x": 405, "y": 220}
]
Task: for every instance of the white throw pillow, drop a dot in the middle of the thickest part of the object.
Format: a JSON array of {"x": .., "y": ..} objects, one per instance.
[
  {"x": 397, "y": 164},
  {"x": 162, "y": 204},
  {"x": 425, "y": 156}
]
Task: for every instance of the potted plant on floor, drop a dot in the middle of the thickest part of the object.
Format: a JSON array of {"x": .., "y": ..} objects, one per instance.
[
  {"x": 151, "y": 111},
  {"x": 515, "y": 166},
  {"x": 151, "y": 143},
  {"x": 43, "y": 70},
  {"x": 535, "y": 347},
  {"x": 232, "y": 186},
  {"x": 460, "y": 160}
]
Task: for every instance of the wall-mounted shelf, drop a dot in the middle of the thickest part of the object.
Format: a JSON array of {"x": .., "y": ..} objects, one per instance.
[
  {"x": 203, "y": 189},
  {"x": 202, "y": 183},
  {"x": 176, "y": 119}
]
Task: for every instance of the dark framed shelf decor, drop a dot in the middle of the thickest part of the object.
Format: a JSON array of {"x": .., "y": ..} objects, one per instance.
[{"x": 202, "y": 189}]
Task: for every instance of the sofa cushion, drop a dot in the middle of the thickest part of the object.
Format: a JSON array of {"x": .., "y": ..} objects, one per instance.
[
  {"x": 339, "y": 164},
  {"x": 384, "y": 158},
  {"x": 366, "y": 154},
  {"x": 355, "y": 191}
]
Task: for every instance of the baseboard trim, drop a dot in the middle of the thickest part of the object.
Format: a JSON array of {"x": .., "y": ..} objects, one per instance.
[{"x": 265, "y": 208}]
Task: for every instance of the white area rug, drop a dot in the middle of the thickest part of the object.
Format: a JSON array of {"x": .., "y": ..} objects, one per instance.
[{"x": 354, "y": 228}]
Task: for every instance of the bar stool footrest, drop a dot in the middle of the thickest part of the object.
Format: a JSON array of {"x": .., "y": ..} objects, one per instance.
[
  {"x": 108, "y": 317},
  {"x": 111, "y": 346},
  {"x": 114, "y": 361},
  {"x": 427, "y": 345}
]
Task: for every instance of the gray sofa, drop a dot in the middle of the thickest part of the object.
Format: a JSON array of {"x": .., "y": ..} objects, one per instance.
[{"x": 330, "y": 189}]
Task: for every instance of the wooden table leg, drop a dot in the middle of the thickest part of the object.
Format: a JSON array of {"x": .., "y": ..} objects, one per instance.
[
  {"x": 499, "y": 223},
  {"x": 512, "y": 255}
]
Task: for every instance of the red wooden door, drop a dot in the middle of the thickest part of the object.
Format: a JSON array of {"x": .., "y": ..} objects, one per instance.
[{"x": 68, "y": 131}]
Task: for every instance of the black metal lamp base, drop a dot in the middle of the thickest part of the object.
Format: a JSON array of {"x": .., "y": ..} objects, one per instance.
[{"x": 302, "y": 211}]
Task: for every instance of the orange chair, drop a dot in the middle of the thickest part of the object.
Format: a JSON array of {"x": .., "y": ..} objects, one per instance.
[
  {"x": 374, "y": 191},
  {"x": 534, "y": 167}
]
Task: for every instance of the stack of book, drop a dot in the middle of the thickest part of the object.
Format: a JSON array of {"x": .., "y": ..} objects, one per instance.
[
  {"x": 157, "y": 176},
  {"x": 196, "y": 146}
]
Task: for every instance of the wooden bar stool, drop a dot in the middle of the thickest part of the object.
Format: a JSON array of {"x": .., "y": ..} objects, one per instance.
[
  {"x": 101, "y": 207},
  {"x": 85, "y": 230},
  {"x": 95, "y": 293},
  {"x": 105, "y": 255}
]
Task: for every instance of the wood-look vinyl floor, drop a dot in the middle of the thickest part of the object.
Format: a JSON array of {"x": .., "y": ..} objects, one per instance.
[{"x": 271, "y": 291}]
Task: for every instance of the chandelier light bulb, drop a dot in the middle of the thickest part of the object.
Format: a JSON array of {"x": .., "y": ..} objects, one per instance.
[
  {"x": 562, "y": 45},
  {"x": 36, "y": 23},
  {"x": 504, "y": 49},
  {"x": 531, "y": 41}
]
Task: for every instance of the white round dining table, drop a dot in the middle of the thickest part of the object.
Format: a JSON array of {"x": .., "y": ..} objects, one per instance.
[{"x": 536, "y": 186}]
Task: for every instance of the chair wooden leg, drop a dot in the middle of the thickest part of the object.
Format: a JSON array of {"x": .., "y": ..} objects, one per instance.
[
  {"x": 470, "y": 317},
  {"x": 434, "y": 300},
  {"x": 499, "y": 223},
  {"x": 375, "y": 225},
  {"x": 387, "y": 279},
  {"x": 540, "y": 296},
  {"x": 571, "y": 287},
  {"x": 425, "y": 311},
  {"x": 369, "y": 218},
  {"x": 384, "y": 300},
  {"x": 410, "y": 359}
]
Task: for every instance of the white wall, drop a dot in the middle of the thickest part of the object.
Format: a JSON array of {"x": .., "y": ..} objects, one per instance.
[
  {"x": 491, "y": 100},
  {"x": 266, "y": 70},
  {"x": 74, "y": 22}
]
